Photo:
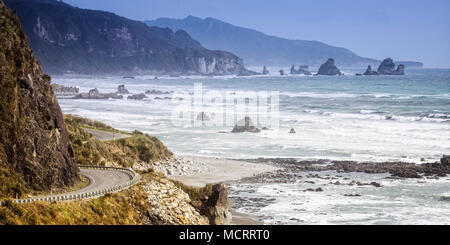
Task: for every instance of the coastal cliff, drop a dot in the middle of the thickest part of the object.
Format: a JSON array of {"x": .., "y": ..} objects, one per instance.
[
  {"x": 67, "y": 39},
  {"x": 35, "y": 150}
]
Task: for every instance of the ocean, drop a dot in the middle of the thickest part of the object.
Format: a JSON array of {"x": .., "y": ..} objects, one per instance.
[{"x": 358, "y": 118}]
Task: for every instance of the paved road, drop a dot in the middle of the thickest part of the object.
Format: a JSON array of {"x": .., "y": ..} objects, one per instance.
[
  {"x": 106, "y": 136},
  {"x": 99, "y": 179}
]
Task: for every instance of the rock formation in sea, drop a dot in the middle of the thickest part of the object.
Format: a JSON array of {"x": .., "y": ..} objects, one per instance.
[
  {"x": 94, "y": 94},
  {"x": 387, "y": 67},
  {"x": 292, "y": 131},
  {"x": 303, "y": 69},
  {"x": 369, "y": 71},
  {"x": 157, "y": 92},
  {"x": 245, "y": 125},
  {"x": 265, "y": 71},
  {"x": 281, "y": 72},
  {"x": 35, "y": 149},
  {"x": 202, "y": 117},
  {"x": 136, "y": 97},
  {"x": 329, "y": 69},
  {"x": 63, "y": 90},
  {"x": 122, "y": 90}
]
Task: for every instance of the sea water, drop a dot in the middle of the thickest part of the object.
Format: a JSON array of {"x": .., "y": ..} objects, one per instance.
[{"x": 360, "y": 118}]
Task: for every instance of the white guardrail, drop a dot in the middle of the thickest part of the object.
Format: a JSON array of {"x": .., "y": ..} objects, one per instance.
[{"x": 135, "y": 178}]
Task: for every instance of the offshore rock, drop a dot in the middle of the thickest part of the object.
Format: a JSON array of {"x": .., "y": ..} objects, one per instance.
[
  {"x": 369, "y": 71},
  {"x": 329, "y": 69},
  {"x": 122, "y": 90},
  {"x": 265, "y": 71},
  {"x": 245, "y": 125},
  {"x": 387, "y": 67},
  {"x": 137, "y": 97}
]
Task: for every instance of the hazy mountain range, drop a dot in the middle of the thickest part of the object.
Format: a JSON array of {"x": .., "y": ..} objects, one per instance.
[
  {"x": 257, "y": 48},
  {"x": 69, "y": 39}
]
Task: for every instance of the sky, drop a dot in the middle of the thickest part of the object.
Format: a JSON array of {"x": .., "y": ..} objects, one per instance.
[{"x": 415, "y": 30}]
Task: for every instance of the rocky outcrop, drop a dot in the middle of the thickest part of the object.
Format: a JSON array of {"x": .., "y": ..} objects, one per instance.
[
  {"x": 122, "y": 90},
  {"x": 245, "y": 125},
  {"x": 63, "y": 90},
  {"x": 265, "y": 71},
  {"x": 387, "y": 67},
  {"x": 94, "y": 94},
  {"x": 329, "y": 69},
  {"x": 137, "y": 97},
  {"x": 292, "y": 131},
  {"x": 302, "y": 70},
  {"x": 281, "y": 72},
  {"x": 157, "y": 92},
  {"x": 169, "y": 205},
  {"x": 216, "y": 207},
  {"x": 369, "y": 71},
  {"x": 202, "y": 117},
  {"x": 35, "y": 149},
  {"x": 445, "y": 160}
]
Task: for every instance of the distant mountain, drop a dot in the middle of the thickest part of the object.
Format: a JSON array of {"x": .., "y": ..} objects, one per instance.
[
  {"x": 257, "y": 48},
  {"x": 69, "y": 39},
  {"x": 411, "y": 64}
]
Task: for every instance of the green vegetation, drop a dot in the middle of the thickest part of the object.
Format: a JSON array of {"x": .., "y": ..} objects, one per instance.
[
  {"x": 124, "y": 152},
  {"x": 124, "y": 208}
]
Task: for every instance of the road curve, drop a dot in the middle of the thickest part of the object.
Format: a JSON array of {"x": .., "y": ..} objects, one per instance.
[
  {"x": 98, "y": 180},
  {"x": 106, "y": 136}
]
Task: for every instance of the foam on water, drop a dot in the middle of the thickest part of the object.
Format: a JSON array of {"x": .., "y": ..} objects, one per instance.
[{"x": 378, "y": 118}]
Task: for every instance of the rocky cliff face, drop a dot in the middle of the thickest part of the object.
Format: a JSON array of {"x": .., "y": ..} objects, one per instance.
[
  {"x": 35, "y": 151},
  {"x": 69, "y": 39},
  {"x": 329, "y": 69}
]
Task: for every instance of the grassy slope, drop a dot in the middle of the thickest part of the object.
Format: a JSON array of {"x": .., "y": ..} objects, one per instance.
[
  {"x": 124, "y": 152},
  {"x": 128, "y": 207}
]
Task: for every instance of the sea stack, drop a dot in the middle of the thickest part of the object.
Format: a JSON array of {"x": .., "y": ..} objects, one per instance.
[
  {"x": 329, "y": 69},
  {"x": 245, "y": 125},
  {"x": 265, "y": 71},
  {"x": 387, "y": 67},
  {"x": 369, "y": 71}
]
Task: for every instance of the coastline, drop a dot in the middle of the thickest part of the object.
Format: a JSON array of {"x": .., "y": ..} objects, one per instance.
[{"x": 220, "y": 170}]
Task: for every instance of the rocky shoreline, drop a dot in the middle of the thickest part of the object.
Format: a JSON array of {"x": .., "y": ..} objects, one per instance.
[{"x": 434, "y": 170}]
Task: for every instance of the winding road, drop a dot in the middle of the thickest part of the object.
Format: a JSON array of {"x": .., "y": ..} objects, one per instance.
[{"x": 102, "y": 180}]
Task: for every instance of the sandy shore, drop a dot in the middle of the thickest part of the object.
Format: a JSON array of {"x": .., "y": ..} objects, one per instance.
[
  {"x": 199, "y": 171},
  {"x": 221, "y": 171}
]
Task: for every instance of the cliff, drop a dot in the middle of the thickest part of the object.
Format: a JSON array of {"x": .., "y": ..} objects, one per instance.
[
  {"x": 35, "y": 151},
  {"x": 72, "y": 40}
]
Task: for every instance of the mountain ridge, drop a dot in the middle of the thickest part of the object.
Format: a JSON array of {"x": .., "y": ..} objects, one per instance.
[
  {"x": 258, "y": 48},
  {"x": 68, "y": 39}
]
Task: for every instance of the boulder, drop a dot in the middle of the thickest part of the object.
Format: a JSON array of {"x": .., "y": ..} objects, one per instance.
[
  {"x": 137, "y": 97},
  {"x": 265, "y": 71},
  {"x": 245, "y": 125},
  {"x": 329, "y": 69},
  {"x": 122, "y": 90},
  {"x": 216, "y": 208}
]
